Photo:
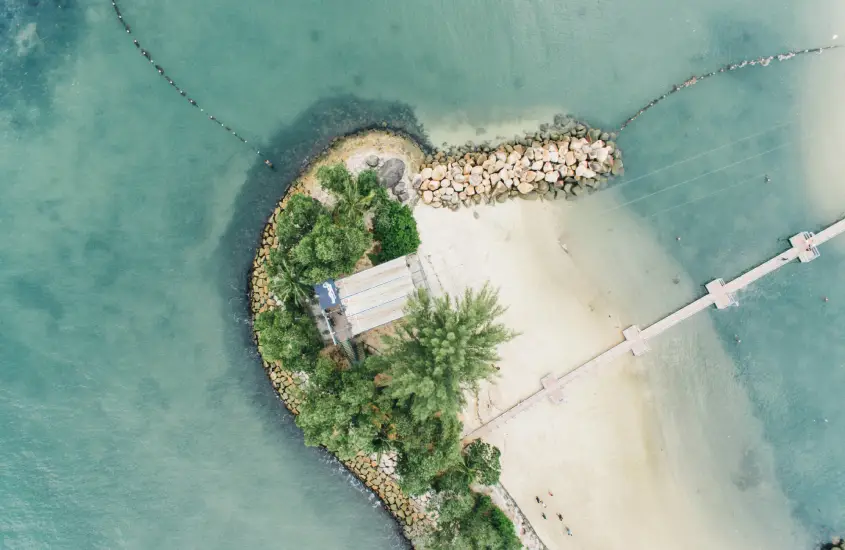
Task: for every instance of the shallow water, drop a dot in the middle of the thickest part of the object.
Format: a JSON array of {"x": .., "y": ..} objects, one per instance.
[{"x": 135, "y": 414}]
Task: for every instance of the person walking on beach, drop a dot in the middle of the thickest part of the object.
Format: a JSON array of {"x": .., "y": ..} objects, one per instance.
[
  {"x": 538, "y": 500},
  {"x": 544, "y": 515},
  {"x": 560, "y": 516}
]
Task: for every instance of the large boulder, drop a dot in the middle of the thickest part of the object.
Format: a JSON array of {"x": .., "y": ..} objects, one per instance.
[
  {"x": 525, "y": 188},
  {"x": 390, "y": 173}
]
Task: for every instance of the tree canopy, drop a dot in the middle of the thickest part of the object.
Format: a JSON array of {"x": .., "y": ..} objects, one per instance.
[
  {"x": 287, "y": 281},
  {"x": 290, "y": 337},
  {"x": 340, "y": 412},
  {"x": 297, "y": 220},
  {"x": 470, "y": 521},
  {"x": 444, "y": 348},
  {"x": 482, "y": 462},
  {"x": 407, "y": 398},
  {"x": 353, "y": 195},
  {"x": 395, "y": 228},
  {"x": 330, "y": 249}
]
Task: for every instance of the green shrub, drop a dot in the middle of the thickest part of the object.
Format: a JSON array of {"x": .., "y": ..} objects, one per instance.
[
  {"x": 395, "y": 228},
  {"x": 288, "y": 336}
]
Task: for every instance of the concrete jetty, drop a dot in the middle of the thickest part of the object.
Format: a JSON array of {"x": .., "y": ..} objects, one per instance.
[{"x": 803, "y": 247}]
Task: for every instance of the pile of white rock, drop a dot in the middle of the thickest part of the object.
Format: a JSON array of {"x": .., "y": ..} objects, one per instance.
[{"x": 568, "y": 165}]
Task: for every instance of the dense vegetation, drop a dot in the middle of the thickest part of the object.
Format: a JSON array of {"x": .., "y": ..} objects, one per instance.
[
  {"x": 395, "y": 228},
  {"x": 470, "y": 521},
  {"x": 407, "y": 398}
]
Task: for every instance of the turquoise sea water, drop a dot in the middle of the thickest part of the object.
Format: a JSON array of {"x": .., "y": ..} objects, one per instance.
[{"x": 133, "y": 411}]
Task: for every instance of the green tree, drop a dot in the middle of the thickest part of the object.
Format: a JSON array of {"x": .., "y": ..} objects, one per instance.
[
  {"x": 352, "y": 203},
  {"x": 297, "y": 219},
  {"x": 425, "y": 448},
  {"x": 334, "y": 178},
  {"x": 330, "y": 249},
  {"x": 395, "y": 228},
  {"x": 454, "y": 480},
  {"x": 443, "y": 349},
  {"x": 481, "y": 461},
  {"x": 354, "y": 195},
  {"x": 290, "y": 337},
  {"x": 480, "y": 464},
  {"x": 287, "y": 282},
  {"x": 472, "y": 522},
  {"x": 340, "y": 411}
]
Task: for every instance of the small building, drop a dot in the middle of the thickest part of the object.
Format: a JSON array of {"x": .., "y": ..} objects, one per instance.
[{"x": 368, "y": 299}]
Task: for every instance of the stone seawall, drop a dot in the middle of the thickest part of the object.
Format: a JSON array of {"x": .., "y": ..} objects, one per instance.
[
  {"x": 565, "y": 160},
  {"x": 378, "y": 477}
]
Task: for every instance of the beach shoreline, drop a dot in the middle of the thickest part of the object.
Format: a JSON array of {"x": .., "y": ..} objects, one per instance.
[{"x": 613, "y": 453}]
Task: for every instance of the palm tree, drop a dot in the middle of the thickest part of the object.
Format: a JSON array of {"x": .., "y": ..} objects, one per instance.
[
  {"x": 352, "y": 202},
  {"x": 287, "y": 284}
]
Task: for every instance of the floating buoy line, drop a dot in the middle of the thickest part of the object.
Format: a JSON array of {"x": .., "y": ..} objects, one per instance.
[
  {"x": 692, "y": 81},
  {"x": 146, "y": 54}
]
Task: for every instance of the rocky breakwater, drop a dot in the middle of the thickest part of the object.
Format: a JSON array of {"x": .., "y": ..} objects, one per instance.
[{"x": 548, "y": 164}]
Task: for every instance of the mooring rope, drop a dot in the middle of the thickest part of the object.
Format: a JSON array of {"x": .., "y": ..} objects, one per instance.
[
  {"x": 181, "y": 91},
  {"x": 692, "y": 81}
]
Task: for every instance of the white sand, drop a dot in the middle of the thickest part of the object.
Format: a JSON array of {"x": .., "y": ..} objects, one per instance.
[{"x": 622, "y": 468}]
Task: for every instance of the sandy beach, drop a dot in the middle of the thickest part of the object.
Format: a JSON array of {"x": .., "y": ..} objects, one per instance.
[{"x": 625, "y": 456}]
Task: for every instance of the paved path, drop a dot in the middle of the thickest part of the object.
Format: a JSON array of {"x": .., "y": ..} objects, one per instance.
[{"x": 804, "y": 247}]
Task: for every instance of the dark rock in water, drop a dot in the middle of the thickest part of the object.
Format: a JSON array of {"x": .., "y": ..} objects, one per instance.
[
  {"x": 390, "y": 174},
  {"x": 561, "y": 120}
]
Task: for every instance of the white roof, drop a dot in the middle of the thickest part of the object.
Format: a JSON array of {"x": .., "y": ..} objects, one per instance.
[{"x": 376, "y": 296}]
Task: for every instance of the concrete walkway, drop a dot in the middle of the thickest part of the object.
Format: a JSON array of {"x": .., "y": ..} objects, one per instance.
[{"x": 804, "y": 247}]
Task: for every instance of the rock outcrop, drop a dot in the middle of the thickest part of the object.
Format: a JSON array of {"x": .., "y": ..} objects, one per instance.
[{"x": 391, "y": 173}]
